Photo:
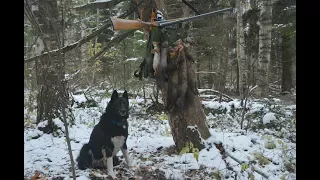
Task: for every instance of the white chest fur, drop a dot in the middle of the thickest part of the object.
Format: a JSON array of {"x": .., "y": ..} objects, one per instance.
[{"x": 117, "y": 143}]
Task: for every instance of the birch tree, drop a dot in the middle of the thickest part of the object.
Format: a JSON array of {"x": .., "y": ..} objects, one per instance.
[
  {"x": 242, "y": 64},
  {"x": 265, "y": 22}
]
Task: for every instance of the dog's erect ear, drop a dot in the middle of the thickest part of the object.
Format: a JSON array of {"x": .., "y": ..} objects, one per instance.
[
  {"x": 114, "y": 96},
  {"x": 125, "y": 94}
]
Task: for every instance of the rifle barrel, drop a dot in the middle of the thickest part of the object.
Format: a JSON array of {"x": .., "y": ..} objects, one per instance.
[{"x": 179, "y": 20}]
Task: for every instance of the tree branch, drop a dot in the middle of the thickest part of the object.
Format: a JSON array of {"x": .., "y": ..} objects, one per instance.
[
  {"x": 98, "y": 5},
  {"x": 202, "y": 91},
  {"x": 255, "y": 168},
  {"x": 114, "y": 41},
  {"x": 81, "y": 41},
  {"x": 73, "y": 45},
  {"x": 191, "y": 7},
  {"x": 206, "y": 72}
]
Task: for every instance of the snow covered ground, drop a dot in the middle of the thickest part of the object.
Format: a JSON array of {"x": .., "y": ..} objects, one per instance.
[{"x": 266, "y": 148}]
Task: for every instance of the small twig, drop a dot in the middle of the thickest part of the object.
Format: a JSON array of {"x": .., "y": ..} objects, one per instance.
[
  {"x": 206, "y": 72},
  {"x": 116, "y": 40},
  {"x": 191, "y": 7}
]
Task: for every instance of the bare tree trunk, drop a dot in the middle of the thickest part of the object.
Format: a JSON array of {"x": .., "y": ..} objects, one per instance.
[
  {"x": 242, "y": 78},
  {"x": 237, "y": 78},
  {"x": 49, "y": 69},
  {"x": 198, "y": 75},
  {"x": 286, "y": 64},
  {"x": 223, "y": 65},
  {"x": 211, "y": 83},
  {"x": 265, "y": 22}
]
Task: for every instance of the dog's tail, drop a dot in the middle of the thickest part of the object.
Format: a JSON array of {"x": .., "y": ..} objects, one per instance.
[{"x": 85, "y": 158}]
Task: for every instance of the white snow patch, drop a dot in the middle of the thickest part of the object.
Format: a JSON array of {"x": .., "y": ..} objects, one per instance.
[
  {"x": 146, "y": 135},
  {"x": 33, "y": 134},
  {"x": 267, "y": 118},
  {"x": 43, "y": 124},
  {"x": 276, "y": 100},
  {"x": 58, "y": 123},
  {"x": 79, "y": 98},
  {"x": 131, "y": 59}
]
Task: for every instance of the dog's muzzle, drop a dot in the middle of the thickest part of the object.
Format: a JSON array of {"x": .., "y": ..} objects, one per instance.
[{"x": 122, "y": 112}]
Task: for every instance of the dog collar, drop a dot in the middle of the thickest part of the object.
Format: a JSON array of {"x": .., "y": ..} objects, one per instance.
[{"x": 117, "y": 123}]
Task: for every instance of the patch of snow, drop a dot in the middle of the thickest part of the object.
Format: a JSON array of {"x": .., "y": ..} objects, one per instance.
[
  {"x": 242, "y": 142},
  {"x": 33, "y": 134},
  {"x": 79, "y": 98},
  {"x": 267, "y": 118},
  {"x": 148, "y": 142},
  {"x": 97, "y": 1},
  {"x": 141, "y": 41},
  {"x": 276, "y": 100},
  {"x": 43, "y": 124},
  {"x": 58, "y": 123},
  {"x": 131, "y": 59}
]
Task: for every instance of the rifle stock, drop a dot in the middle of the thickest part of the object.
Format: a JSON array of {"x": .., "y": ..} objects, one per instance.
[{"x": 126, "y": 24}]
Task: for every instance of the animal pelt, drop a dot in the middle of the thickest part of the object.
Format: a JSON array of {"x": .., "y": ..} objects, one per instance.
[{"x": 181, "y": 77}]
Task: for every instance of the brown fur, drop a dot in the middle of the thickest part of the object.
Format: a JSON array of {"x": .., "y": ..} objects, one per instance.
[{"x": 177, "y": 78}]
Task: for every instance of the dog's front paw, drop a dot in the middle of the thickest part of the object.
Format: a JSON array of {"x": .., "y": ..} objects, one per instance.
[
  {"x": 111, "y": 173},
  {"x": 128, "y": 164},
  {"x": 113, "y": 176}
]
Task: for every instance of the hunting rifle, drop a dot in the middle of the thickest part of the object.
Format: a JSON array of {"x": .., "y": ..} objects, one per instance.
[{"x": 125, "y": 24}]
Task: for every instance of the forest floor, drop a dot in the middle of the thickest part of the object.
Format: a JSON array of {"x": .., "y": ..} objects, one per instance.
[{"x": 264, "y": 148}]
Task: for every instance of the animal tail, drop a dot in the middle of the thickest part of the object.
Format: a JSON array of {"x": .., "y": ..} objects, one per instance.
[{"x": 85, "y": 158}]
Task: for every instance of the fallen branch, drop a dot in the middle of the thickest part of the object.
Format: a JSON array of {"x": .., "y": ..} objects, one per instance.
[
  {"x": 217, "y": 92},
  {"x": 205, "y": 72},
  {"x": 35, "y": 176},
  {"x": 254, "y": 168}
]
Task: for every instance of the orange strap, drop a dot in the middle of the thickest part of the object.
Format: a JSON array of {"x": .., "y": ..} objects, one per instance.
[{"x": 153, "y": 16}]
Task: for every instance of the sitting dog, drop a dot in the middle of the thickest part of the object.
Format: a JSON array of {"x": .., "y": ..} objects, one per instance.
[{"x": 108, "y": 137}]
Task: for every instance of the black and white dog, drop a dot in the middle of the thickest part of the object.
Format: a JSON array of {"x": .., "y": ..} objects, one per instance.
[{"x": 108, "y": 137}]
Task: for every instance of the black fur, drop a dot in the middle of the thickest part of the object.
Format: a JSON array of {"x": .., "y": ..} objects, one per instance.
[{"x": 112, "y": 123}]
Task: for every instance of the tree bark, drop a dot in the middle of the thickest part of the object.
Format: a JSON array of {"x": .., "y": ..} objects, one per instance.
[
  {"x": 286, "y": 64},
  {"x": 242, "y": 64},
  {"x": 265, "y": 22},
  {"x": 49, "y": 70}
]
